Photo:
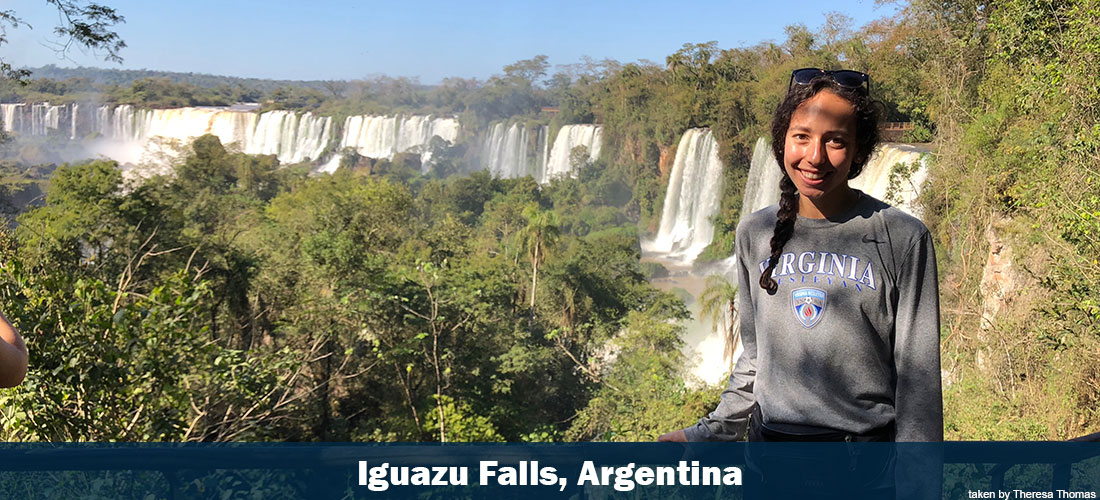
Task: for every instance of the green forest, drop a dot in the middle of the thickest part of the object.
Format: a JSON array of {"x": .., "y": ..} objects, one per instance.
[{"x": 236, "y": 299}]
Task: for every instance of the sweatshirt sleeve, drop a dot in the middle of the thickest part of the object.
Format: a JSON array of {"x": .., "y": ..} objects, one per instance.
[
  {"x": 918, "y": 397},
  {"x": 730, "y": 420}
]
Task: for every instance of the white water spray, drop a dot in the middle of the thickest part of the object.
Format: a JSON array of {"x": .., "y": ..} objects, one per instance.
[
  {"x": 569, "y": 137},
  {"x": 692, "y": 198}
]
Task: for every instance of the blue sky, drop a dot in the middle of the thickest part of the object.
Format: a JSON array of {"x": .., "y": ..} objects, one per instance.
[{"x": 338, "y": 39}]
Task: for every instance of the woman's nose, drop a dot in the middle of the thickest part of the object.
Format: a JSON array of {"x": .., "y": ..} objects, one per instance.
[{"x": 816, "y": 154}]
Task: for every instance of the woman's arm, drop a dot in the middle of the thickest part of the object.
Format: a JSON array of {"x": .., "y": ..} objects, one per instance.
[
  {"x": 918, "y": 398},
  {"x": 13, "y": 354}
]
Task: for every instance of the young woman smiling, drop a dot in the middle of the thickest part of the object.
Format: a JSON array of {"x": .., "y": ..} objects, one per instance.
[{"x": 838, "y": 297}]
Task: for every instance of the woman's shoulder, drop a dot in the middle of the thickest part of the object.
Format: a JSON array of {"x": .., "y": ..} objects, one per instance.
[
  {"x": 897, "y": 220},
  {"x": 760, "y": 220}
]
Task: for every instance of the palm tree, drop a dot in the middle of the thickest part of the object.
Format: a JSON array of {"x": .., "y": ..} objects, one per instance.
[
  {"x": 540, "y": 234},
  {"x": 719, "y": 302}
]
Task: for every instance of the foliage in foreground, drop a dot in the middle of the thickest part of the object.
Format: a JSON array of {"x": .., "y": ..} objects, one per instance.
[{"x": 236, "y": 300}]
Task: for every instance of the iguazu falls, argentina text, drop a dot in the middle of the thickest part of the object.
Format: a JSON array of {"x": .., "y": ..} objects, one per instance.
[{"x": 626, "y": 477}]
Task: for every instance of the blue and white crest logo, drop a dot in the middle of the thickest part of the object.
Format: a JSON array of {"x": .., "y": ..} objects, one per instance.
[{"x": 809, "y": 305}]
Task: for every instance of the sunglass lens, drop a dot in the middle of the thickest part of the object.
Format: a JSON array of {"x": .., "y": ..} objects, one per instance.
[
  {"x": 805, "y": 76},
  {"x": 851, "y": 79}
]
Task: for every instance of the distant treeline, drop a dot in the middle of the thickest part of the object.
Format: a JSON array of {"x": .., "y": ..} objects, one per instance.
[{"x": 123, "y": 77}]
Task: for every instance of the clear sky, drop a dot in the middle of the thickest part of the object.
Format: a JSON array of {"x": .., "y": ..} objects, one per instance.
[{"x": 429, "y": 39}]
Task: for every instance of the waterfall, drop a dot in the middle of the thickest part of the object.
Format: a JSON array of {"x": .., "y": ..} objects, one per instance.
[
  {"x": 72, "y": 122},
  {"x": 384, "y": 136},
  {"x": 130, "y": 134},
  {"x": 291, "y": 137},
  {"x": 693, "y": 196},
  {"x": 895, "y": 175},
  {"x": 543, "y": 147},
  {"x": 569, "y": 137},
  {"x": 762, "y": 186},
  {"x": 44, "y": 118},
  {"x": 508, "y": 153},
  {"x": 504, "y": 152},
  {"x": 12, "y": 114}
]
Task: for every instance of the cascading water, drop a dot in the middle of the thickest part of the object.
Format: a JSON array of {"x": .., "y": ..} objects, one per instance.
[
  {"x": 291, "y": 137},
  {"x": 37, "y": 120},
  {"x": 693, "y": 197},
  {"x": 507, "y": 151},
  {"x": 895, "y": 175},
  {"x": 762, "y": 185},
  {"x": 691, "y": 200},
  {"x": 384, "y": 136},
  {"x": 72, "y": 122},
  {"x": 44, "y": 118},
  {"x": 12, "y": 116},
  {"x": 126, "y": 133},
  {"x": 569, "y": 137},
  {"x": 130, "y": 135}
]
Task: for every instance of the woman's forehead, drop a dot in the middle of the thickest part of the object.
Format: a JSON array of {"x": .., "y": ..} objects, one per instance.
[{"x": 824, "y": 110}]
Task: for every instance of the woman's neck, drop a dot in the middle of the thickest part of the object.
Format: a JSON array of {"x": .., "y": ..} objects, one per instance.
[{"x": 836, "y": 203}]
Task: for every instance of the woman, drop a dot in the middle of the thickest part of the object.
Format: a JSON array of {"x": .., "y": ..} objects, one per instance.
[{"x": 838, "y": 294}]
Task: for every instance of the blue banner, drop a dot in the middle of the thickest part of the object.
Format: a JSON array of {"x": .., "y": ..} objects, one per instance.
[{"x": 555, "y": 471}]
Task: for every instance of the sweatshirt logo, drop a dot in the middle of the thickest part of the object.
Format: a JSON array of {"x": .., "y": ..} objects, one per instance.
[
  {"x": 809, "y": 305},
  {"x": 828, "y": 267}
]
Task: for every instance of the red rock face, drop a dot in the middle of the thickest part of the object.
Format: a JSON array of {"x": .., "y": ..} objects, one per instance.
[{"x": 668, "y": 153}]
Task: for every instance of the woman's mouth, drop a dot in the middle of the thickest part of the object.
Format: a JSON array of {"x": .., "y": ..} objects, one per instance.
[{"x": 813, "y": 177}]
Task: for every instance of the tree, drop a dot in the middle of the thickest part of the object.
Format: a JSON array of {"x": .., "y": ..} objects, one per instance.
[
  {"x": 81, "y": 23},
  {"x": 528, "y": 70},
  {"x": 719, "y": 304},
  {"x": 541, "y": 232}
]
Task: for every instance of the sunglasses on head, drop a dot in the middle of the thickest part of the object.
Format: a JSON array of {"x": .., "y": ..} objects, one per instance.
[{"x": 844, "y": 77}]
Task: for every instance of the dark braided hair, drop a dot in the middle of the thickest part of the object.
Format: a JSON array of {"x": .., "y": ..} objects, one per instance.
[{"x": 866, "y": 139}]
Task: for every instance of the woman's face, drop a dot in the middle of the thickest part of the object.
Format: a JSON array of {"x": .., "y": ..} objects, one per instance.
[{"x": 818, "y": 152}]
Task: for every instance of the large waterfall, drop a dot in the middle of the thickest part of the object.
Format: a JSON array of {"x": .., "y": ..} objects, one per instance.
[
  {"x": 384, "y": 136},
  {"x": 127, "y": 131},
  {"x": 131, "y": 134},
  {"x": 38, "y": 119},
  {"x": 508, "y": 152},
  {"x": 289, "y": 136},
  {"x": 691, "y": 200},
  {"x": 569, "y": 137},
  {"x": 693, "y": 195}
]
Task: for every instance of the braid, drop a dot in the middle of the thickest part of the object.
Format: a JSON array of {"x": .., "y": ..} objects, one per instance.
[{"x": 784, "y": 228}]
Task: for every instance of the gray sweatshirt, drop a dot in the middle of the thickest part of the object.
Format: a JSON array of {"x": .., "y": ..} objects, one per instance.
[{"x": 851, "y": 339}]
